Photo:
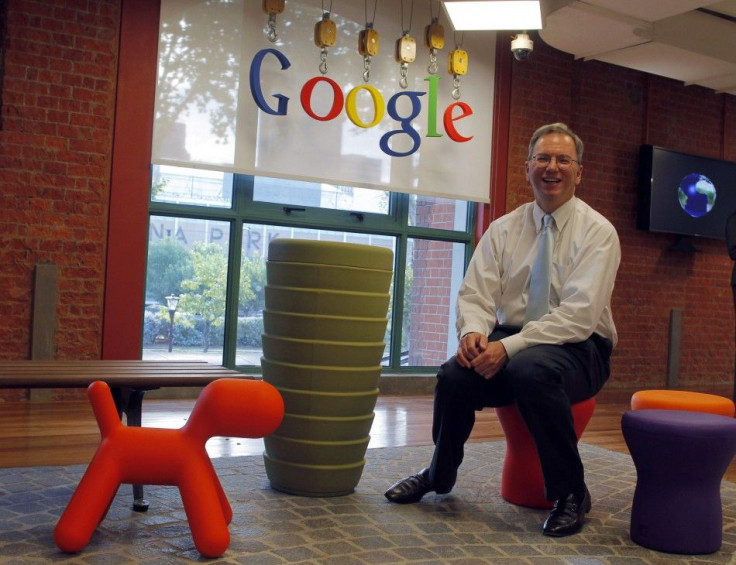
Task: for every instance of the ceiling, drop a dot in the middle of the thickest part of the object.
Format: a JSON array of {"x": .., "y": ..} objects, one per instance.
[{"x": 693, "y": 41}]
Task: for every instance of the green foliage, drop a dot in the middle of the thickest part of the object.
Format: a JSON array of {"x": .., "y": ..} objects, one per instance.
[
  {"x": 250, "y": 331},
  {"x": 406, "y": 319},
  {"x": 188, "y": 329},
  {"x": 252, "y": 286},
  {"x": 153, "y": 326},
  {"x": 157, "y": 186},
  {"x": 199, "y": 276},
  {"x": 204, "y": 293},
  {"x": 169, "y": 263}
]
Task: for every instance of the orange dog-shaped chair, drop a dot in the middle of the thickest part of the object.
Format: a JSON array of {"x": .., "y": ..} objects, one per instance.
[{"x": 226, "y": 407}]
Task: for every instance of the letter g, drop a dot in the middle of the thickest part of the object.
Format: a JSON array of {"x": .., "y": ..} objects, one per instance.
[{"x": 255, "y": 82}]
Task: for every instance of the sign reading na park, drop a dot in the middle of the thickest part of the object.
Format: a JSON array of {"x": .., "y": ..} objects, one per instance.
[{"x": 321, "y": 108}]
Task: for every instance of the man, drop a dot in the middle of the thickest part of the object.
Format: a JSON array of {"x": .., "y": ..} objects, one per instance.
[{"x": 542, "y": 362}]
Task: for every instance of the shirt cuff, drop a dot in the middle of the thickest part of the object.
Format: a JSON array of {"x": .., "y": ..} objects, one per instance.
[
  {"x": 472, "y": 328},
  {"x": 513, "y": 344}
]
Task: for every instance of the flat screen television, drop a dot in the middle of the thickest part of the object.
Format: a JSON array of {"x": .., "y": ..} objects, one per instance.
[{"x": 685, "y": 194}]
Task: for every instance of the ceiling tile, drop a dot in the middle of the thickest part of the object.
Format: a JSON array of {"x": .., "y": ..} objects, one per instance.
[
  {"x": 650, "y": 10},
  {"x": 673, "y": 62},
  {"x": 670, "y": 38},
  {"x": 586, "y": 33}
]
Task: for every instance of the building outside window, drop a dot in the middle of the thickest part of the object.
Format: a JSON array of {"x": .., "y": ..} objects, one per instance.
[{"x": 208, "y": 245}]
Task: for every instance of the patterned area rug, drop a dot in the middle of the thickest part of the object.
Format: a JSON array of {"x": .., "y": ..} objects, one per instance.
[{"x": 470, "y": 525}]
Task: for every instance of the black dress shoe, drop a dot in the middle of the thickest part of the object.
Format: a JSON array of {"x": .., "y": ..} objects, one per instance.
[
  {"x": 410, "y": 489},
  {"x": 567, "y": 516}
]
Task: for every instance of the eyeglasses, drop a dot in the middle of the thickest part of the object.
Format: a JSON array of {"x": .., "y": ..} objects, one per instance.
[{"x": 563, "y": 161}]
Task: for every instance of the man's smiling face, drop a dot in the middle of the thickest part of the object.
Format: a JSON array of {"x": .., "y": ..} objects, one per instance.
[{"x": 552, "y": 185}]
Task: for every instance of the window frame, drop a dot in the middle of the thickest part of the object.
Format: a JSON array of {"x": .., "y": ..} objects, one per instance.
[{"x": 245, "y": 210}]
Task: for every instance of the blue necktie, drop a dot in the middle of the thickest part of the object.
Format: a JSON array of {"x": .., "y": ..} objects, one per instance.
[{"x": 539, "y": 283}]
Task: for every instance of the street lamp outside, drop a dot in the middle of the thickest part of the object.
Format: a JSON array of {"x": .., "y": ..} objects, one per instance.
[{"x": 172, "y": 302}]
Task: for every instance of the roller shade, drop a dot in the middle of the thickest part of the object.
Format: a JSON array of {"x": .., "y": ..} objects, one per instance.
[{"x": 229, "y": 99}]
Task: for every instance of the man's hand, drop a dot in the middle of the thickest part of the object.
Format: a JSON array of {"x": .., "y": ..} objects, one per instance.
[
  {"x": 477, "y": 353},
  {"x": 471, "y": 346}
]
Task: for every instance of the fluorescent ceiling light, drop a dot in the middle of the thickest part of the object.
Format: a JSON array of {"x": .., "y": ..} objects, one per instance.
[{"x": 494, "y": 14}]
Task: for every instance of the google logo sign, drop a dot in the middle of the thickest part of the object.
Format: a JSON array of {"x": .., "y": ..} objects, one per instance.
[{"x": 453, "y": 113}]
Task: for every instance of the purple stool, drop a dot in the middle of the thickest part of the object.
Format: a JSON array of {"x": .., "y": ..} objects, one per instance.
[{"x": 680, "y": 459}]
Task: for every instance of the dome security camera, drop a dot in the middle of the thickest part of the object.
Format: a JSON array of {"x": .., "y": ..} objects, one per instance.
[{"x": 521, "y": 46}]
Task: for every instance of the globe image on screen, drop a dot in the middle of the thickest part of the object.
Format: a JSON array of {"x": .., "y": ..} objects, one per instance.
[{"x": 696, "y": 194}]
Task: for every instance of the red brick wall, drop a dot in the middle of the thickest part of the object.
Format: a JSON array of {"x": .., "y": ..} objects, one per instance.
[
  {"x": 430, "y": 292},
  {"x": 57, "y": 118},
  {"x": 57, "y": 112}
]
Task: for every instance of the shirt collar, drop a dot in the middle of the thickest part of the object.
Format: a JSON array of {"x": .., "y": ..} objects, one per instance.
[{"x": 561, "y": 215}]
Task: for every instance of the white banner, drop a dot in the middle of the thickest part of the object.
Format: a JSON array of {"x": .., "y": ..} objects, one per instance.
[{"x": 230, "y": 99}]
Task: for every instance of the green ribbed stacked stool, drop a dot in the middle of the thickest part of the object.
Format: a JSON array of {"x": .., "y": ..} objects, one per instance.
[{"x": 324, "y": 329}]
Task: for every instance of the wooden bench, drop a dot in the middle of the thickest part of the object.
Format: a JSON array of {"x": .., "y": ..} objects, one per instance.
[{"x": 129, "y": 381}]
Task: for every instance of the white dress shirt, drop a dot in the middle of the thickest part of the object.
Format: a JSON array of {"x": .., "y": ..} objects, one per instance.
[{"x": 585, "y": 259}]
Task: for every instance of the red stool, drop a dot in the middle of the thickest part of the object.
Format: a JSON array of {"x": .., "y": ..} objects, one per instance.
[
  {"x": 156, "y": 456},
  {"x": 521, "y": 480}
]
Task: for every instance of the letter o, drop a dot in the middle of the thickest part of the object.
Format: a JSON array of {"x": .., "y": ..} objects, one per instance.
[
  {"x": 351, "y": 106},
  {"x": 306, "y": 98}
]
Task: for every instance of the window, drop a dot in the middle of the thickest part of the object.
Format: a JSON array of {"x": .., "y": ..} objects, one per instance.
[{"x": 208, "y": 243}]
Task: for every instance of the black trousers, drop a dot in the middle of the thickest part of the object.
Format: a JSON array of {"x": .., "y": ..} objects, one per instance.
[{"x": 543, "y": 381}]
